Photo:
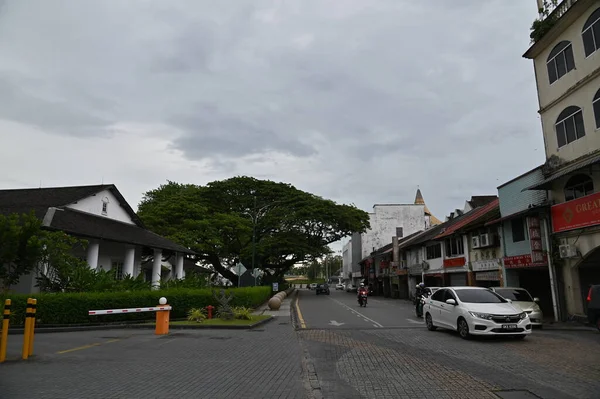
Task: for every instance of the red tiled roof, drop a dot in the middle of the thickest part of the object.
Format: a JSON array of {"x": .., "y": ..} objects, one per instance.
[{"x": 471, "y": 217}]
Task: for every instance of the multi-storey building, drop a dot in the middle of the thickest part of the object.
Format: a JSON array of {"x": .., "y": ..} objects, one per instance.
[{"x": 566, "y": 59}]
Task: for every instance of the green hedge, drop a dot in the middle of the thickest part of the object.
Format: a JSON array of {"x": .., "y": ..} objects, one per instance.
[{"x": 72, "y": 308}]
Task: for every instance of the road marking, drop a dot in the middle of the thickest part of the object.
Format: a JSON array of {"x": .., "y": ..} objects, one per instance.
[
  {"x": 299, "y": 313},
  {"x": 357, "y": 313},
  {"x": 336, "y": 323},
  {"x": 87, "y": 346},
  {"x": 414, "y": 321}
]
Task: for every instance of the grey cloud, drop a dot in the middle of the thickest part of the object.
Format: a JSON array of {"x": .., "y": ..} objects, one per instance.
[{"x": 375, "y": 98}]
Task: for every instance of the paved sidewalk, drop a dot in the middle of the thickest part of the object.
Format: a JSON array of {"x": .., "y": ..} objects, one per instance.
[
  {"x": 265, "y": 362},
  {"x": 283, "y": 311}
]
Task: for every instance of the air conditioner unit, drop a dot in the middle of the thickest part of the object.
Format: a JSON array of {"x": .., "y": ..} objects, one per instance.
[
  {"x": 484, "y": 240},
  {"x": 567, "y": 251},
  {"x": 475, "y": 242}
]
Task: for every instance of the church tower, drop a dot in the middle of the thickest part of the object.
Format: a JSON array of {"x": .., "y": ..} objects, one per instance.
[{"x": 420, "y": 201}]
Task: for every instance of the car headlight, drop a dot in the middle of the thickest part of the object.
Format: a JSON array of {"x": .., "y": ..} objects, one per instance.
[
  {"x": 485, "y": 316},
  {"x": 522, "y": 315}
]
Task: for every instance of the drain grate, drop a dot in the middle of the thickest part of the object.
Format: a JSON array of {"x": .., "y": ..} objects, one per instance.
[
  {"x": 516, "y": 394},
  {"x": 284, "y": 323}
]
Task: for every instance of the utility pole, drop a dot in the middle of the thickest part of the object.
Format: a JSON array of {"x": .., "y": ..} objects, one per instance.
[{"x": 254, "y": 240}]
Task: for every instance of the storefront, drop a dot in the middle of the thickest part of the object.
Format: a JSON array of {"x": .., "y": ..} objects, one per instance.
[
  {"x": 522, "y": 272},
  {"x": 455, "y": 272},
  {"x": 487, "y": 272},
  {"x": 576, "y": 228}
]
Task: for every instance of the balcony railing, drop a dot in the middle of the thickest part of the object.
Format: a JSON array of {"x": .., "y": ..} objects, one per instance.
[{"x": 548, "y": 17}]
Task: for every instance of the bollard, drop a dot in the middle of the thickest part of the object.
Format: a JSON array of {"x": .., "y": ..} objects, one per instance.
[
  {"x": 162, "y": 319},
  {"x": 4, "y": 337},
  {"x": 27, "y": 329},
  {"x": 210, "y": 309},
  {"x": 32, "y": 325}
]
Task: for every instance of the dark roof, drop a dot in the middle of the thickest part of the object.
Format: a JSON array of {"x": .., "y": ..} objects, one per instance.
[
  {"x": 87, "y": 225},
  {"x": 25, "y": 200},
  {"x": 481, "y": 200},
  {"x": 483, "y": 213}
]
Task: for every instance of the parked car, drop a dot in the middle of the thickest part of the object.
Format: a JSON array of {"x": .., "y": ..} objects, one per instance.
[
  {"x": 475, "y": 311},
  {"x": 593, "y": 305},
  {"x": 322, "y": 289},
  {"x": 312, "y": 286},
  {"x": 339, "y": 286},
  {"x": 350, "y": 287},
  {"x": 523, "y": 300}
]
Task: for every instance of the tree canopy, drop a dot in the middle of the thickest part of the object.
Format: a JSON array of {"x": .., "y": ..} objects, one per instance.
[{"x": 219, "y": 220}]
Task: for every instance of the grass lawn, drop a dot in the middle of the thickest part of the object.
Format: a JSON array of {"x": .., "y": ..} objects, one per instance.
[{"x": 219, "y": 322}]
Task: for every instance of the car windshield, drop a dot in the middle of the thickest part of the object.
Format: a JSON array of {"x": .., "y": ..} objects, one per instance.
[
  {"x": 515, "y": 295},
  {"x": 478, "y": 296}
]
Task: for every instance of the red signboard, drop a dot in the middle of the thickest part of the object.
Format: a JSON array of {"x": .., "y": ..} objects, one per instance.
[
  {"x": 521, "y": 261},
  {"x": 454, "y": 262},
  {"x": 575, "y": 214},
  {"x": 535, "y": 239}
]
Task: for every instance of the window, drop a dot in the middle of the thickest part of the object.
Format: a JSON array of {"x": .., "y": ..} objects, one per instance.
[
  {"x": 117, "y": 268},
  {"x": 439, "y": 295},
  {"x": 596, "y": 106},
  {"x": 518, "y": 295},
  {"x": 569, "y": 126},
  {"x": 518, "y": 229},
  {"x": 591, "y": 33},
  {"x": 560, "y": 61},
  {"x": 449, "y": 295},
  {"x": 434, "y": 251},
  {"x": 104, "y": 205},
  {"x": 455, "y": 246},
  {"x": 578, "y": 186},
  {"x": 478, "y": 296}
]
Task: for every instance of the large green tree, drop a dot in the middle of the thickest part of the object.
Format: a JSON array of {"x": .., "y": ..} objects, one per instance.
[{"x": 269, "y": 224}]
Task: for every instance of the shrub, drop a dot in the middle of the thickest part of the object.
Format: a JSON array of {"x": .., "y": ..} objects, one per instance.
[
  {"x": 197, "y": 315},
  {"x": 72, "y": 308},
  {"x": 242, "y": 313}
]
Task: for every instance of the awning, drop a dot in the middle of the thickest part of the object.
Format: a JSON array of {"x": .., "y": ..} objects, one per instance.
[{"x": 574, "y": 167}]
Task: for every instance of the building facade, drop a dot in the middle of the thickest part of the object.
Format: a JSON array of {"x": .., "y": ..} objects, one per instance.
[
  {"x": 387, "y": 221},
  {"x": 117, "y": 238},
  {"x": 566, "y": 61}
]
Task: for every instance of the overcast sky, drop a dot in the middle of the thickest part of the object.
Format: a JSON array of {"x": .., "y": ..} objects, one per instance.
[{"x": 357, "y": 101}]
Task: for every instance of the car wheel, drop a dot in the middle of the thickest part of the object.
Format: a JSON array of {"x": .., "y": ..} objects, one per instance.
[
  {"x": 429, "y": 323},
  {"x": 463, "y": 329}
]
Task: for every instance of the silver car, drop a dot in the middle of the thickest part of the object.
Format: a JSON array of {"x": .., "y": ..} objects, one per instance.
[{"x": 521, "y": 298}]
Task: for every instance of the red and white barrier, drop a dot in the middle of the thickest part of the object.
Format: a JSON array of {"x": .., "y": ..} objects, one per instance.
[{"x": 131, "y": 310}]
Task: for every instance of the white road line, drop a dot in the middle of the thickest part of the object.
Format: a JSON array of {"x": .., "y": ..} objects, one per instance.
[
  {"x": 357, "y": 313},
  {"x": 414, "y": 321}
]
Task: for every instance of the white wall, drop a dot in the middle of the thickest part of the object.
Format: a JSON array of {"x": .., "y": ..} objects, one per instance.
[
  {"x": 347, "y": 259},
  {"x": 384, "y": 221},
  {"x": 93, "y": 204}
]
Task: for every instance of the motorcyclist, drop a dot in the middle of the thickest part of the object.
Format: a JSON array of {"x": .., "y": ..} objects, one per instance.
[
  {"x": 362, "y": 289},
  {"x": 422, "y": 291}
]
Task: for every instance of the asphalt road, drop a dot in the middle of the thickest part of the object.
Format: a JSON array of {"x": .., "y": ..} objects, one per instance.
[
  {"x": 340, "y": 310},
  {"x": 384, "y": 351}
]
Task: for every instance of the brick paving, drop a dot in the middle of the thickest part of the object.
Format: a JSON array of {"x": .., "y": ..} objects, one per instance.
[
  {"x": 413, "y": 362},
  {"x": 260, "y": 363}
]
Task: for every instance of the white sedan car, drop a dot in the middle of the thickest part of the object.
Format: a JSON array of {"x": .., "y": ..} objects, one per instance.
[{"x": 475, "y": 311}]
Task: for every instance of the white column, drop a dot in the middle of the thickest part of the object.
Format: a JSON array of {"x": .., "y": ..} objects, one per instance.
[
  {"x": 129, "y": 261},
  {"x": 156, "y": 268},
  {"x": 92, "y": 254},
  {"x": 179, "y": 269}
]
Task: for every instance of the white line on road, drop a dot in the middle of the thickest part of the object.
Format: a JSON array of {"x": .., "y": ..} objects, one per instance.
[
  {"x": 414, "y": 321},
  {"x": 357, "y": 313}
]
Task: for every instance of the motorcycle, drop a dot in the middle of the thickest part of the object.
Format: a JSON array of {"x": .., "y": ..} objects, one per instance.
[
  {"x": 362, "y": 299},
  {"x": 420, "y": 305}
]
